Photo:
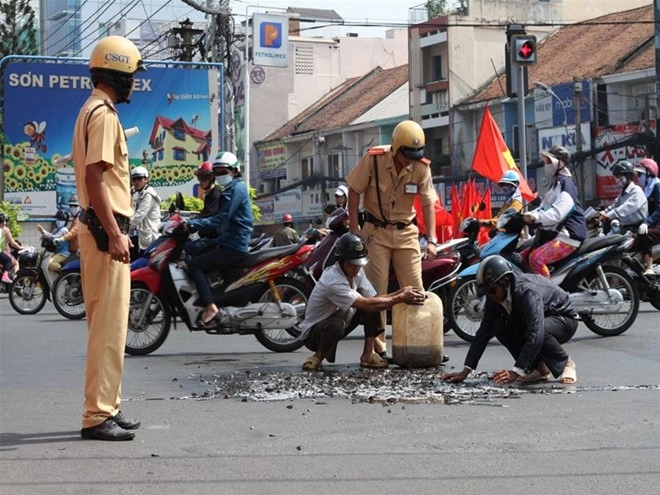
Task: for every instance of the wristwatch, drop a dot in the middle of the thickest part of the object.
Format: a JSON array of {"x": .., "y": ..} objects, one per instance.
[{"x": 432, "y": 240}]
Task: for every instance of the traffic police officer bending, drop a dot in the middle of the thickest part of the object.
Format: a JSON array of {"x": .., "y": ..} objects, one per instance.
[{"x": 388, "y": 178}]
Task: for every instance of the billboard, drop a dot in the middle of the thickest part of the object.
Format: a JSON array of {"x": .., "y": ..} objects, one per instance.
[
  {"x": 175, "y": 109},
  {"x": 271, "y": 40}
]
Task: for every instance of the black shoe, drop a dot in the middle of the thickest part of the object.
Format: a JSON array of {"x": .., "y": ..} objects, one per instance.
[
  {"x": 386, "y": 357},
  {"x": 108, "y": 430},
  {"x": 126, "y": 424},
  {"x": 445, "y": 358}
]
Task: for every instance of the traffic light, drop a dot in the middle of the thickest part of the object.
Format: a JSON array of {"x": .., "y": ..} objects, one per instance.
[{"x": 523, "y": 49}]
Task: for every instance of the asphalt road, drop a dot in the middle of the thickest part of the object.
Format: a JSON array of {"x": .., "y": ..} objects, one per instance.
[{"x": 221, "y": 414}]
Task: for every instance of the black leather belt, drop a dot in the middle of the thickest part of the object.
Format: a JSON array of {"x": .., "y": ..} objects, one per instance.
[
  {"x": 88, "y": 217},
  {"x": 368, "y": 217}
]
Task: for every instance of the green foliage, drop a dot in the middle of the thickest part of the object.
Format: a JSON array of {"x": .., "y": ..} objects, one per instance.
[
  {"x": 191, "y": 203},
  {"x": 13, "y": 212},
  {"x": 256, "y": 212},
  {"x": 436, "y": 8}
]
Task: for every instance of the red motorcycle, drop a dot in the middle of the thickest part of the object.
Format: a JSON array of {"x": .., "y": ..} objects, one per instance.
[{"x": 255, "y": 297}]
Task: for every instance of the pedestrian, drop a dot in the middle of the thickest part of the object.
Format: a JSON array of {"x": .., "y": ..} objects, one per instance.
[
  {"x": 234, "y": 223},
  {"x": 341, "y": 300},
  {"x": 531, "y": 316},
  {"x": 286, "y": 234},
  {"x": 388, "y": 178},
  {"x": 630, "y": 207},
  {"x": 341, "y": 196},
  {"x": 72, "y": 235},
  {"x": 104, "y": 190},
  {"x": 509, "y": 183},
  {"x": 560, "y": 219},
  {"x": 60, "y": 249},
  {"x": 648, "y": 233},
  {"x": 146, "y": 219},
  {"x": 7, "y": 242}
]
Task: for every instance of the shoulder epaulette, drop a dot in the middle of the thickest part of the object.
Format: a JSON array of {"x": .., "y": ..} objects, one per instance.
[
  {"x": 109, "y": 104},
  {"x": 378, "y": 150},
  {"x": 425, "y": 161}
]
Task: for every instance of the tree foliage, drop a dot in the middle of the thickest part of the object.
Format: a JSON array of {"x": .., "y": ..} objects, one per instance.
[{"x": 18, "y": 34}]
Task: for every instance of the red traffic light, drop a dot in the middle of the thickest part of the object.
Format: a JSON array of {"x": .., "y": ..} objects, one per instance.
[{"x": 523, "y": 50}]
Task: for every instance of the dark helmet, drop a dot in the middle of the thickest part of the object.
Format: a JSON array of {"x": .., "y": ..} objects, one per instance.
[
  {"x": 62, "y": 215},
  {"x": 114, "y": 61},
  {"x": 623, "y": 168},
  {"x": 352, "y": 249},
  {"x": 491, "y": 270}
]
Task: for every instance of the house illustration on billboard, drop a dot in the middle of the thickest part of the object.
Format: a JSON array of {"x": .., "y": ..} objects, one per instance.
[{"x": 176, "y": 142}]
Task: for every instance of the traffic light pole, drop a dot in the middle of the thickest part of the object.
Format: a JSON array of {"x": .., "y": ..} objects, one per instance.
[{"x": 522, "y": 139}]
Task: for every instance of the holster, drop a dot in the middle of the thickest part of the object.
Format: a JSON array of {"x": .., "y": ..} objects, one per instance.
[{"x": 89, "y": 218}]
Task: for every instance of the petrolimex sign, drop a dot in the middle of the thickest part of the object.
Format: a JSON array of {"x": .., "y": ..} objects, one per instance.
[{"x": 270, "y": 40}]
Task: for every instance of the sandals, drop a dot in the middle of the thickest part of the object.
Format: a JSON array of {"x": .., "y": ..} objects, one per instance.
[
  {"x": 374, "y": 362},
  {"x": 312, "y": 363},
  {"x": 569, "y": 376},
  {"x": 535, "y": 377},
  {"x": 207, "y": 324}
]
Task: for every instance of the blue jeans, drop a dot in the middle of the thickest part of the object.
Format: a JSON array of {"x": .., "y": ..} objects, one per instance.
[{"x": 214, "y": 259}]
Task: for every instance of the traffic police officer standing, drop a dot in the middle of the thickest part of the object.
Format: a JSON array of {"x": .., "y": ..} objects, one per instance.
[
  {"x": 389, "y": 177},
  {"x": 102, "y": 171}
]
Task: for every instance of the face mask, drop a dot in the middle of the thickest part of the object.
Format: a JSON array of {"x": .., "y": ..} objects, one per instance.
[
  {"x": 621, "y": 182},
  {"x": 60, "y": 223},
  {"x": 508, "y": 190},
  {"x": 224, "y": 180},
  {"x": 549, "y": 169},
  {"x": 642, "y": 180},
  {"x": 74, "y": 210}
]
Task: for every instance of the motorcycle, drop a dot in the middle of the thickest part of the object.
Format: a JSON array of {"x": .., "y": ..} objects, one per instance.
[
  {"x": 604, "y": 295},
  {"x": 437, "y": 274},
  {"x": 256, "y": 297},
  {"x": 35, "y": 283}
]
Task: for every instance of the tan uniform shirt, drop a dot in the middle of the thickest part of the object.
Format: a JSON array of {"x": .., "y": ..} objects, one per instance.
[
  {"x": 397, "y": 191},
  {"x": 102, "y": 140}
]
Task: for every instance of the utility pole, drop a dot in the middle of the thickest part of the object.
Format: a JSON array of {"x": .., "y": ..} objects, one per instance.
[
  {"x": 656, "y": 16},
  {"x": 579, "y": 163},
  {"x": 186, "y": 33}
]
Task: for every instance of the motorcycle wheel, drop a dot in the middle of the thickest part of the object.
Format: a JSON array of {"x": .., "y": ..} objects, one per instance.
[
  {"x": 613, "y": 324},
  {"x": 27, "y": 295},
  {"x": 144, "y": 338},
  {"x": 285, "y": 339},
  {"x": 68, "y": 296},
  {"x": 466, "y": 309}
]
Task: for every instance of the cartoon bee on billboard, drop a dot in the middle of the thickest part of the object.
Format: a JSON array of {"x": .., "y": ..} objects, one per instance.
[{"x": 36, "y": 131}]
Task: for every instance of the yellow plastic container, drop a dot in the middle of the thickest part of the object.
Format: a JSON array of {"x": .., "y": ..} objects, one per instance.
[{"x": 417, "y": 333}]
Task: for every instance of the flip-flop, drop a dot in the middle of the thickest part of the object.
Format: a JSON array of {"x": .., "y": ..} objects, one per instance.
[
  {"x": 569, "y": 376},
  {"x": 208, "y": 324},
  {"x": 374, "y": 362},
  {"x": 535, "y": 377}
]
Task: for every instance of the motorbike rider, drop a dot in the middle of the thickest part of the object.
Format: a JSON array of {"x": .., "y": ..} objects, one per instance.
[
  {"x": 234, "y": 224},
  {"x": 630, "y": 207},
  {"x": 560, "y": 217},
  {"x": 7, "y": 242},
  {"x": 286, "y": 234},
  {"x": 60, "y": 249},
  {"x": 146, "y": 219},
  {"x": 211, "y": 194},
  {"x": 648, "y": 233},
  {"x": 531, "y": 316},
  {"x": 509, "y": 183},
  {"x": 341, "y": 300},
  {"x": 72, "y": 235}
]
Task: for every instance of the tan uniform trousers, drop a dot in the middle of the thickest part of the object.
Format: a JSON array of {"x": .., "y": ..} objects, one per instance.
[
  {"x": 401, "y": 248},
  {"x": 106, "y": 287}
]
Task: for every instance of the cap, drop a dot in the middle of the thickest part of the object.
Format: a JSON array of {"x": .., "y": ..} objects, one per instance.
[{"x": 341, "y": 191}]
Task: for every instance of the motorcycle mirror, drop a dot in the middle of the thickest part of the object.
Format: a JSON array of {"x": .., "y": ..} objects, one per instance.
[{"x": 180, "y": 204}]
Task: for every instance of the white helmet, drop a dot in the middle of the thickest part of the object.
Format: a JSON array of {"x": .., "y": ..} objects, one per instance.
[
  {"x": 225, "y": 159},
  {"x": 139, "y": 172}
]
